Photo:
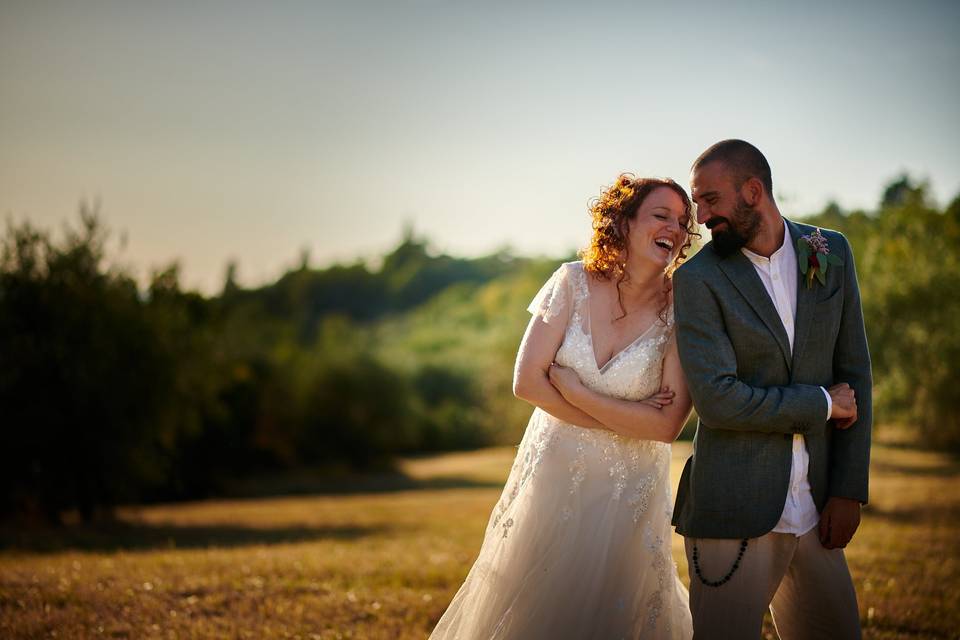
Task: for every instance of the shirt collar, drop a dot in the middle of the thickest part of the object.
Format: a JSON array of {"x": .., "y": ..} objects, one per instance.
[{"x": 782, "y": 253}]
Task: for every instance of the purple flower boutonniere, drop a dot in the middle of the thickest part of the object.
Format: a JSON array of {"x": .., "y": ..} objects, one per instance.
[{"x": 814, "y": 257}]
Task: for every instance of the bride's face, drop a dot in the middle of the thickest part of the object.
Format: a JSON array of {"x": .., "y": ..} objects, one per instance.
[{"x": 659, "y": 228}]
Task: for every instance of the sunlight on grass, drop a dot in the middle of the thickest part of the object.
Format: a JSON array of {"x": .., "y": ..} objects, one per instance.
[{"x": 384, "y": 565}]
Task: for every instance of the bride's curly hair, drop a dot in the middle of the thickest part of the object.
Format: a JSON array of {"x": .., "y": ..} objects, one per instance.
[{"x": 606, "y": 255}]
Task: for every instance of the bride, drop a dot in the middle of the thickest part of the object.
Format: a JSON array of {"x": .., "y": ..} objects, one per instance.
[{"x": 578, "y": 545}]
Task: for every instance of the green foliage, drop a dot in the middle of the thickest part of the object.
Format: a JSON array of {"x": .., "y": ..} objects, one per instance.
[
  {"x": 908, "y": 263},
  {"x": 115, "y": 395},
  {"x": 84, "y": 374}
]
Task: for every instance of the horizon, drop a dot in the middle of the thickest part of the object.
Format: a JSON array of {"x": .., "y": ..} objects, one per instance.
[{"x": 407, "y": 232}]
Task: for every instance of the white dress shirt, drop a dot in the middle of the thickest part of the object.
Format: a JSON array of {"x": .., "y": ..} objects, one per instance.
[{"x": 780, "y": 275}]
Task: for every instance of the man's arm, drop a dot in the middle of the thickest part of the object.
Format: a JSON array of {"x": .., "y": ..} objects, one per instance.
[
  {"x": 850, "y": 449},
  {"x": 709, "y": 362}
]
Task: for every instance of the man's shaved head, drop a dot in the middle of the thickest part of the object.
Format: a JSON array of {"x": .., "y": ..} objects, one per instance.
[{"x": 741, "y": 159}]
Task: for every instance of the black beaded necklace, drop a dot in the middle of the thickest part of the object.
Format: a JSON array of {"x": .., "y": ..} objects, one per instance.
[{"x": 724, "y": 579}]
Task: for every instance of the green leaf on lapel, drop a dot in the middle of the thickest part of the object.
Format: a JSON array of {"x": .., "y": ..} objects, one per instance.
[
  {"x": 820, "y": 275},
  {"x": 803, "y": 255},
  {"x": 834, "y": 259}
]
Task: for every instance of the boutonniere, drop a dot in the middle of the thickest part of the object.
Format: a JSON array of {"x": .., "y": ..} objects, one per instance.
[{"x": 814, "y": 257}]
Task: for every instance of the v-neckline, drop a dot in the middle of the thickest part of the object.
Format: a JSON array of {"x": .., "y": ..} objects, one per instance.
[{"x": 589, "y": 332}]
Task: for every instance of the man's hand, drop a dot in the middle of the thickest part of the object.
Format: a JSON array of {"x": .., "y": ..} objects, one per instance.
[
  {"x": 838, "y": 522},
  {"x": 844, "y": 412}
]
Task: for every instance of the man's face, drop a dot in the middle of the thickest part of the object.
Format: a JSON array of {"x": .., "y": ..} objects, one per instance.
[{"x": 732, "y": 222}]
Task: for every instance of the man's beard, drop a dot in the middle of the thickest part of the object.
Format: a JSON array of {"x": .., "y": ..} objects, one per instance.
[{"x": 742, "y": 227}]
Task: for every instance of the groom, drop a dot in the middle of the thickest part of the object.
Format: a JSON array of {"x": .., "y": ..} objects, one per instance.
[{"x": 771, "y": 340}]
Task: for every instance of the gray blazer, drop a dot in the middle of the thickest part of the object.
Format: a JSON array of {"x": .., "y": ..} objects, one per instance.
[{"x": 752, "y": 394}]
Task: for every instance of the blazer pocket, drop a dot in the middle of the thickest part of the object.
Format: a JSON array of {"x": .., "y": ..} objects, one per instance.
[
  {"x": 826, "y": 319},
  {"x": 829, "y": 297}
]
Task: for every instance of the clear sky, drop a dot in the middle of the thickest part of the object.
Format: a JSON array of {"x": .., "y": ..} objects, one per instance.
[{"x": 250, "y": 130}]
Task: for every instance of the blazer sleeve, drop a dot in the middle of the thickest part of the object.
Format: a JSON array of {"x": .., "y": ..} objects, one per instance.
[
  {"x": 850, "y": 449},
  {"x": 709, "y": 363}
]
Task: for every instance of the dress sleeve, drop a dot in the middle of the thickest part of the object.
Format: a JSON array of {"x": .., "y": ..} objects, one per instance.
[
  {"x": 670, "y": 320},
  {"x": 554, "y": 302}
]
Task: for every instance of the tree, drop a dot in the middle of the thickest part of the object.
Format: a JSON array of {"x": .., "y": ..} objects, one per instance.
[
  {"x": 908, "y": 263},
  {"x": 82, "y": 375}
]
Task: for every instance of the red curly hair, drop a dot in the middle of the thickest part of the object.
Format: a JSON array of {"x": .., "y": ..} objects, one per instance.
[{"x": 606, "y": 255}]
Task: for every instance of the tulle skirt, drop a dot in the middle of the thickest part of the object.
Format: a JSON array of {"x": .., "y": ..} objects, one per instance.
[{"x": 578, "y": 545}]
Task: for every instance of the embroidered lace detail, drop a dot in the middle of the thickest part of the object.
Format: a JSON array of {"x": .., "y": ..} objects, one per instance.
[
  {"x": 529, "y": 456},
  {"x": 632, "y": 374},
  {"x": 578, "y": 468},
  {"x": 619, "y": 474},
  {"x": 659, "y": 551},
  {"x": 640, "y": 499}
]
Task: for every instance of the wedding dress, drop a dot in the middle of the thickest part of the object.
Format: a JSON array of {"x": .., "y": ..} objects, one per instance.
[{"x": 578, "y": 546}]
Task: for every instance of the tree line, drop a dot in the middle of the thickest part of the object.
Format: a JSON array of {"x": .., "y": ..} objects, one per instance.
[{"x": 116, "y": 393}]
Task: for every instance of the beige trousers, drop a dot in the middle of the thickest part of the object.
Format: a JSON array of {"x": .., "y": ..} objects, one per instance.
[{"x": 807, "y": 587}]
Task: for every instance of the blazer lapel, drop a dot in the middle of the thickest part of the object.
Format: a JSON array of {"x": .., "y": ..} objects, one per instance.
[
  {"x": 806, "y": 303},
  {"x": 741, "y": 273}
]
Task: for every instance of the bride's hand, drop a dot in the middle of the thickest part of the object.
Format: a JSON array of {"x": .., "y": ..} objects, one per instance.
[
  {"x": 660, "y": 399},
  {"x": 563, "y": 378}
]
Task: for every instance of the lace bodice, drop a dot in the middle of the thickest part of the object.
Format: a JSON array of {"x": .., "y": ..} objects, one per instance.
[{"x": 633, "y": 373}]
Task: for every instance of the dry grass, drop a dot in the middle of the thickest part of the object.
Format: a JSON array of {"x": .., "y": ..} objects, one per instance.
[{"x": 384, "y": 565}]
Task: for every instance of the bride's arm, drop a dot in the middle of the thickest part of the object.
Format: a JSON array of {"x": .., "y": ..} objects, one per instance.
[
  {"x": 634, "y": 419},
  {"x": 538, "y": 348}
]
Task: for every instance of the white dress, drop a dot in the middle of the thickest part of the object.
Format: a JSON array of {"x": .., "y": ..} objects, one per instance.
[{"x": 578, "y": 547}]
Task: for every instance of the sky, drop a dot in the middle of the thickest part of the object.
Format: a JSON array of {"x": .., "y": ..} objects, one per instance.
[{"x": 251, "y": 131}]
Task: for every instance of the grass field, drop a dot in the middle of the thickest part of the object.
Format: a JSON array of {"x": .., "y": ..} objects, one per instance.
[{"x": 384, "y": 564}]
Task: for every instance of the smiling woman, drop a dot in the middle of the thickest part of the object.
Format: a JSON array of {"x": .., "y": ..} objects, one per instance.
[{"x": 578, "y": 545}]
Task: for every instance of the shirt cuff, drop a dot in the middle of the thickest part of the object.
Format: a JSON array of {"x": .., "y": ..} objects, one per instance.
[{"x": 829, "y": 402}]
